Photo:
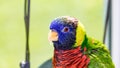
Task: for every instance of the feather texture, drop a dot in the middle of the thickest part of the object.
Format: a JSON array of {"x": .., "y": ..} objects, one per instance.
[
  {"x": 75, "y": 49},
  {"x": 98, "y": 54},
  {"x": 74, "y": 58}
]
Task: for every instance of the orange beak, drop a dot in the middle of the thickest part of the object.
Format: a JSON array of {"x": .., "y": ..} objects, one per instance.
[{"x": 53, "y": 36}]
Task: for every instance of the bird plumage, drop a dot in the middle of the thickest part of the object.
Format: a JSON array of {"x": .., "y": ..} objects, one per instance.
[
  {"x": 73, "y": 58},
  {"x": 73, "y": 48}
]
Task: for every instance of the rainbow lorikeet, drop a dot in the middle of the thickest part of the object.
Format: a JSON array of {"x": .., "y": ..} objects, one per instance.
[{"x": 73, "y": 48}]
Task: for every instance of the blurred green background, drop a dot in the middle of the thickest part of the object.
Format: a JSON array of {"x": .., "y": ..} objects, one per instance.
[{"x": 12, "y": 28}]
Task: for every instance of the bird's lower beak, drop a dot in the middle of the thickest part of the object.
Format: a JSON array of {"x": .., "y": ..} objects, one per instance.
[{"x": 53, "y": 36}]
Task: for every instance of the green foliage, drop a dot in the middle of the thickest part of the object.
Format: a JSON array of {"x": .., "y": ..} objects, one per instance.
[{"x": 12, "y": 31}]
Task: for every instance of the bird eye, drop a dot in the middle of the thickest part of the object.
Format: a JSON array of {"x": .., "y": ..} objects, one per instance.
[{"x": 65, "y": 29}]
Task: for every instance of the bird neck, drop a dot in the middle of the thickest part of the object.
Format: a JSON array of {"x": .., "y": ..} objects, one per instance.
[
  {"x": 84, "y": 44},
  {"x": 70, "y": 58},
  {"x": 80, "y": 35}
]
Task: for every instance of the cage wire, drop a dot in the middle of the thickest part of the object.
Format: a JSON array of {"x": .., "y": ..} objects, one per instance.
[{"x": 26, "y": 63}]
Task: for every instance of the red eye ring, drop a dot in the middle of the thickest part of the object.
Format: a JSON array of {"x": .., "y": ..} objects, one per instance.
[{"x": 65, "y": 29}]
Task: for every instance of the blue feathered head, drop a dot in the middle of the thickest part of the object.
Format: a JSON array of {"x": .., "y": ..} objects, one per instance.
[{"x": 63, "y": 32}]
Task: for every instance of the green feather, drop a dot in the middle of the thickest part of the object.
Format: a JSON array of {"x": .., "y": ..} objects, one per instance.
[{"x": 98, "y": 54}]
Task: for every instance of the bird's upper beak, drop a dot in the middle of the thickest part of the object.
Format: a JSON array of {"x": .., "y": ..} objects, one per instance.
[{"x": 53, "y": 36}]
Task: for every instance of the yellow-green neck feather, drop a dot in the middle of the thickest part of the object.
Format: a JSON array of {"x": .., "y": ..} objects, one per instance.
[{"x": 80, "y": 35}]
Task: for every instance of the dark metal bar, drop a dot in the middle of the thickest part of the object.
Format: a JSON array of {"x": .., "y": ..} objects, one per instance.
[
  {"x": 27, "y": 20},
  {"x": 106, "y": 20},
  {"x": 26, "y": 63},
  {"x": 110, "y": 28}
]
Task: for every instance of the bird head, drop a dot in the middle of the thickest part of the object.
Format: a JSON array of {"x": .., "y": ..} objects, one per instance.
[{"x": 66, "y": 33}]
